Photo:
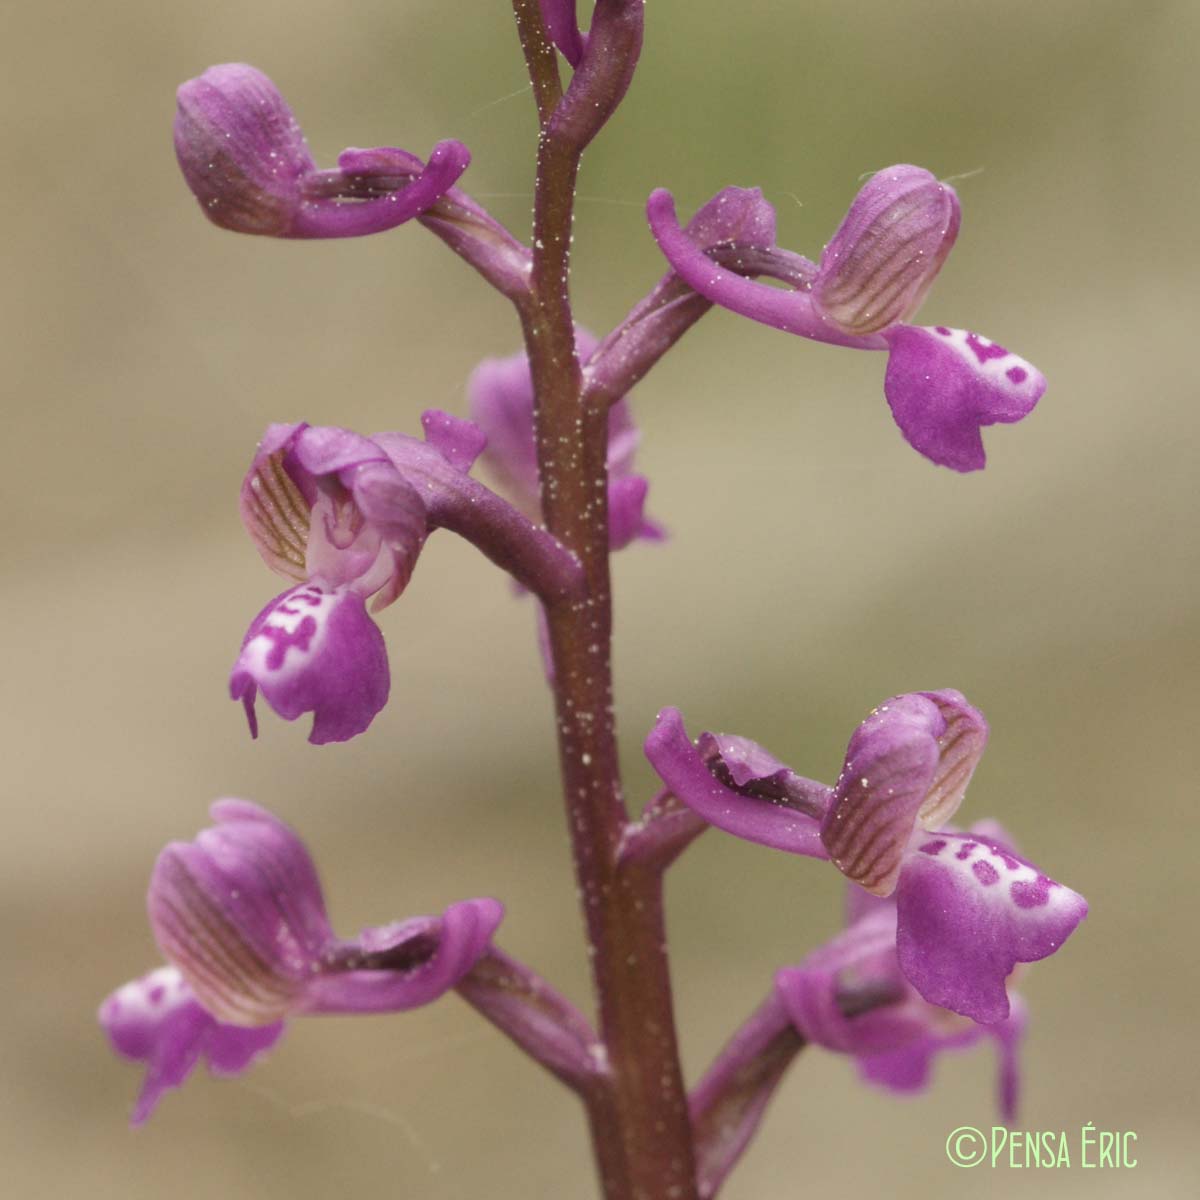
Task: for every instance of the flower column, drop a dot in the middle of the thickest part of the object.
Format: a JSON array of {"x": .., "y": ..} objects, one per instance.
[{"x": 640, "y": 1123}]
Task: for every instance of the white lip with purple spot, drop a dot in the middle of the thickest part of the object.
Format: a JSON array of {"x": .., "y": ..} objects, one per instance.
[
  {"x": 998, "y": 365},
  {"x": 291, "y": 633},
  {"x": 982, "y": 867},
  {"x": 149, "y": 996}
]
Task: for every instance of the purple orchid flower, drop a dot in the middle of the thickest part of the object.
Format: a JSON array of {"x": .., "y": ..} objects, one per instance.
[
  {"x": 245, "y": 159},
  {"x": 500, "y": 396},
  {"x": 851, "y": 996},
  {"x": 942, "y": 384},
  {"x": 968, "y": 908},
  {"x": 327, "y": 508},
  {"x": 240, "y": 916},
  {"x": 346, "y": 516}
]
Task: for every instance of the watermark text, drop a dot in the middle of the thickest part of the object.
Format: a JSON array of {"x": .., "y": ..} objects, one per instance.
[{"x": 1042, "y": 1149}]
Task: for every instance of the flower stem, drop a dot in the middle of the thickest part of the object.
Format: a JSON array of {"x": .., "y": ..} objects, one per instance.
[
  {"x": 639, "y": 1121},
  {"x": 729, "y": 1102},
  {"x": 536, "y": 1017}
]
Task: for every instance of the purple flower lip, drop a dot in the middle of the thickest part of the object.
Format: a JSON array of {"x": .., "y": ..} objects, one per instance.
[
  {"x": 157, "y": 1020},
  {"x": 245, "y": 159},
  {"x": 314, "y": 650}
]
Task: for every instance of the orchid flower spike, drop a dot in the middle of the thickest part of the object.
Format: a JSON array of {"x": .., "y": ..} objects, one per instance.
[
  {"x": 851, "y": 996},
  {"x": 968, "y": 908},
  {"x": 500, "y": 397},
  {"x": 240, "y": 917},
  {"x": 942, "y": 384},
  {"x": 247, "y": 163}
]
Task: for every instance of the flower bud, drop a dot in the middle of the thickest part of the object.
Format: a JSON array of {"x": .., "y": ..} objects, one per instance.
[
  {"x": 887, "y": 251},
  {"x": 241, "y": 150},
  {"x": 246, "y": 161}
]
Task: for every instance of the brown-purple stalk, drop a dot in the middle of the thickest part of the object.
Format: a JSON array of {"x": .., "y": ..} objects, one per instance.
[
  {"x": 639, "y": 1119},
  {"x": 729, "y": 1102}
]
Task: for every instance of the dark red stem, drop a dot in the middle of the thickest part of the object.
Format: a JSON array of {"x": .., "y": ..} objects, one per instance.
[{"x": 639, "y": 1120}]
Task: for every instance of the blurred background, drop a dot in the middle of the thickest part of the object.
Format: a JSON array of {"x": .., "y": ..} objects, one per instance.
[{"x": 816, "y": 566}]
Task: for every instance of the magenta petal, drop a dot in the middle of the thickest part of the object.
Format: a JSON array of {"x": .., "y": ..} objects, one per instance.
[
  {"x": 889, "y": 767},
  {"x": 850, "y": 996},
  {"x": 459, "y": 442},
  {"x": 908, "y": 763},
  {"x": 810, "y": 992},
  {"x": 240, "y": 912},
  {"x": 233, "y": 1048},
  {"x": 276, "y": 503},
  {"x": 500, "y": 395},
  {"x": 886, "y": 253},
  {"x": 793, "y": 312},
  {"x": 253, "y": 852},
  {"x": 334, "y": 218},
  {"x": 500, "y": 399},
  {"x": 158, "y": 1021},
  {"x": 240, "y": 150},
  {"x": 329, "y": 449},
  {"x": 734, "y": 215},
  {"x": 326, "y": 504},
  {"x": 383, "y": 537},
  {"x": 944, "y": 384},
  {"x": 245, "y": 159},
  {"x": 627, "y": 520},
  {"x": 562, "y": 27},
  {"x": 745, "y": 761},
  {"x": 409, "y": 964},
  {"x": 968, "y": 912},
  {"x": 315, "y": 650},
  {"x": 752, "y": 770},
  {"x": 624, "y": 437},
  {"x": 366, "y": 523},
  {"x": 1008, "y": 1035},
  {"x": 683, "y": 770},
  {"x": 907, "y": 1068}
]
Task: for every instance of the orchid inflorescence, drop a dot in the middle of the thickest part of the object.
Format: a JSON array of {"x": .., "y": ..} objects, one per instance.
[{"x": 938, "y": 917}]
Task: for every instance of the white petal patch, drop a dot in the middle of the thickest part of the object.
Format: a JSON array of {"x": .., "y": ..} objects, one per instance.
[
  {"x": 151, "y": 996},
  {"x": 290, "y": 634},
  {"x": 1001, "y": 368},
  {"x": 981, "y": 867}
]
